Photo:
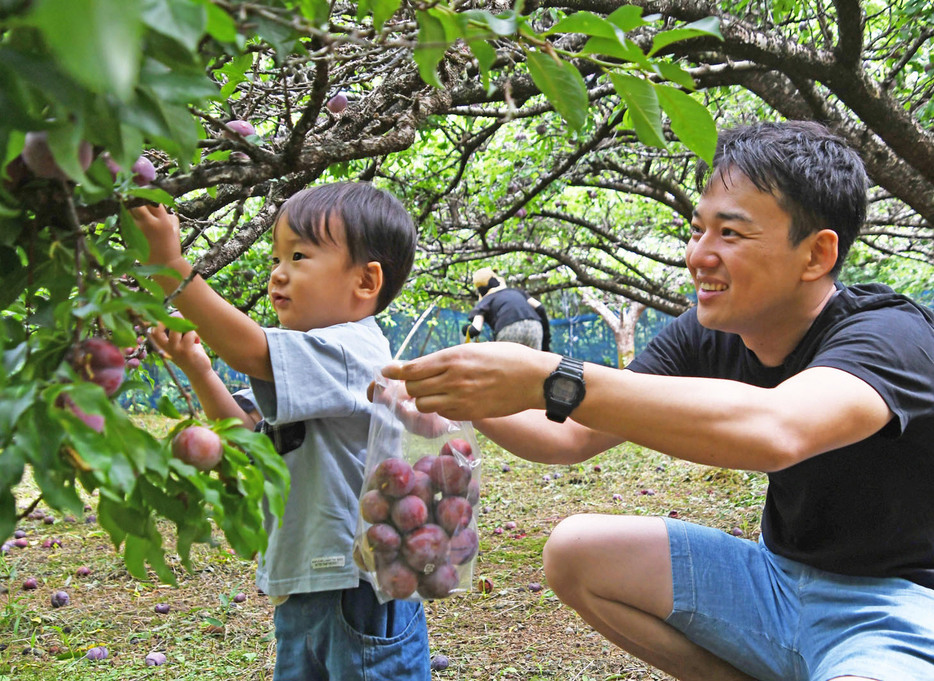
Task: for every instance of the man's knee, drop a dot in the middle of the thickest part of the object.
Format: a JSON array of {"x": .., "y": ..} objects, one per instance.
[{"x": 561, "y": 551}]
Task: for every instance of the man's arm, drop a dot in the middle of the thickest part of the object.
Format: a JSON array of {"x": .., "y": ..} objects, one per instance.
[
  {"x": 186, "y": 351},
  {"x": 709, "y": 421},
  {"x": 236, "y": 338}
]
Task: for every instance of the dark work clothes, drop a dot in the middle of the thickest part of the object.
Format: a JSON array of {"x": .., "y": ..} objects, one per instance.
[
  {"x": 504, "y": 307},
  {"x": 866, "y": 509}
]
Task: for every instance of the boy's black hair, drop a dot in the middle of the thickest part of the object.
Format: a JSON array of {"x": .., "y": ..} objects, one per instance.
[
  {"x": 376, "y": 227},
  {"x": 814, "y": 176}
]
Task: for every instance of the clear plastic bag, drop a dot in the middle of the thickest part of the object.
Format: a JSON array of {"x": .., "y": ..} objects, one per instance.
[{"x": 416, "y": 533}]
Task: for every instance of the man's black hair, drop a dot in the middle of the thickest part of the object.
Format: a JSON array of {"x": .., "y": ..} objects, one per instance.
[
  {"x": 814, "y": 176},
  {"x": 376, "y": 227}
]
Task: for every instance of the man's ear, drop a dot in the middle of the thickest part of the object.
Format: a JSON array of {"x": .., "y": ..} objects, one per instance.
[
  {"x": 822, "y": 255},
  {"x": 371, "y": 281}
]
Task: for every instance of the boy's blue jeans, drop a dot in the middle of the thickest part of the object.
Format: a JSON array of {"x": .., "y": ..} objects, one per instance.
[{"x": 348, "y": 636}]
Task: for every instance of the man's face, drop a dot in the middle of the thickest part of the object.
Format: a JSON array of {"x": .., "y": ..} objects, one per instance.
[
  {"x": 746, "y": 272},
  {"x": 311, "y": 286}
]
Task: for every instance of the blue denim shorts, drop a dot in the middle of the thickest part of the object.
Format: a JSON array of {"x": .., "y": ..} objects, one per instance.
[
  {"x": 350, "y": 636},
  {"x": 777, "y": 619}
]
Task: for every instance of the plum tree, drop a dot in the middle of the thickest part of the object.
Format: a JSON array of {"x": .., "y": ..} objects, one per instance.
[{"x": 199, "y": 447}]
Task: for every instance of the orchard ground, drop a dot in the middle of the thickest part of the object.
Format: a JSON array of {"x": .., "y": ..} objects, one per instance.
[{"x": 518, "y": 630}]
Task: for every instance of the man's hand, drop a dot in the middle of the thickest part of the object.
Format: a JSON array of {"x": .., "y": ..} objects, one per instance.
[{"x": 470, "y": 382}]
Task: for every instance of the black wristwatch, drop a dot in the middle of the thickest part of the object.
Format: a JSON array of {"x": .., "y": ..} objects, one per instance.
[{"x": 564, "y": 389}]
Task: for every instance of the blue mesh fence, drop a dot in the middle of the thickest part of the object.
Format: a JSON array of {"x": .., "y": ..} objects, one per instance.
[{"x": 585, "y": 336}]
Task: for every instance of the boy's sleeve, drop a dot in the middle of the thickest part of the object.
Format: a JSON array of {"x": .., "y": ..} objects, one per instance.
[
  {"x": 246, "y": 400},
  {"x": 322, "y": 373}
]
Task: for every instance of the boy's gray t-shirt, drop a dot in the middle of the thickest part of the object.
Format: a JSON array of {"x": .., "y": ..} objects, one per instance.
[{"x": 320, "y": 380}]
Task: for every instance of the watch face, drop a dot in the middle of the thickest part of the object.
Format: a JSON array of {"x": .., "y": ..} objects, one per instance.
[{"x": 564, "y": 389}]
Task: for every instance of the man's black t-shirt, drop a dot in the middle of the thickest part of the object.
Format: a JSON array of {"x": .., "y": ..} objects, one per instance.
[
  {"x": 866, "y": 509},
  {"x": 504, "y": 307}
]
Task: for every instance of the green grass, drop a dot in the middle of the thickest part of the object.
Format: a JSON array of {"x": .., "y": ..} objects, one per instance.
[{"x": 511, "y": 632}]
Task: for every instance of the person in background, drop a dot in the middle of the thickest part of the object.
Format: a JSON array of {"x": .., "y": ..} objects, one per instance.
[
  {"x": 513, "y": 315},
  {"x": 779, "y": 368},
  {"x": 341, "y": 252}
]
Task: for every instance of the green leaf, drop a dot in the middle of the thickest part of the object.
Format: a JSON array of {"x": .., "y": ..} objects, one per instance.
[
  {"x": 690, "y": 121},
  {"x": 166, "y": 408},
  {"x": 181, "y": 20},
  {"x": 432, "y": 44},
  {"x": 12, "y": 279},
  {"x": 562, "y": 84},
  {"x": 504, "y": 24},
  {"x": 619, "y": 48},
  {"x": 587, "y": 23},
  {"x": 383, "y": 10},
  {"x": 220, "y": 25},
  {"x": 675, "y": 74},
  {"x": 627, "y": 18},
  {"x": 97, "y": 41},
  {"x": 132, "y": 236},
  {"x": 644, "y": 109},
  {"x": 710, "y": 26}
]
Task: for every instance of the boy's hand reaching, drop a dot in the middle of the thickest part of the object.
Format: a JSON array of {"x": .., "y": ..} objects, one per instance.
[
  {"x": 162, "y": 232},
  {"x": 184, "y": 349}
]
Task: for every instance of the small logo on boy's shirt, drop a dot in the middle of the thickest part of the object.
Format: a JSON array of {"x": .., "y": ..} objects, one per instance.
[{"x": 327, "y": 562}]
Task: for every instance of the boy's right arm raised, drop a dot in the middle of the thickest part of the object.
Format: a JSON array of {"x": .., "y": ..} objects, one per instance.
[{"x": 236, "y": 338}]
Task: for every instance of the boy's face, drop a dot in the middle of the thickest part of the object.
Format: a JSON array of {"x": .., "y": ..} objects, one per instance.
[
  {"x": 311, "y": 286},
  {"x": 746, "y": 272}
]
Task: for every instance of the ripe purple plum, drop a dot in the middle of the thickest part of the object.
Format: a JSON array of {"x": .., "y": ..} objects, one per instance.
[
  {"x": 383, "y": 539},
  {"x": 30, "y": 583},
  {"x": 99, "y": 361},
  {"x": 424, "y": 489},
  {"x": 38, "y": 157},
  {"x": 463, "y": 546},
  {"x": 337, "y": 103},
  {"x": 485, "y": 585},
  {"x": 439, "y": 583},
  {"x": 19, "y": 534},
  {"x": 144, "y": 172},
  {"x": 162, "y": 608},
  {"x": 396, "y": 579},
  {"x": 154, "y": 659},
  {"x": 83, "y": 571},
  {"x": 60, "y": 599},
  {"x": 439, "y": 663},
  {"x": 97, "y": 653},
  {"x": 92, "y": 421},
  {"x": 374, "y": 506},
  {"x": 453, "y": 514},
  {"x": 449, "y": 477},
  {"x": 424, "y": 463},
  {"x": 198, "y": 446},
  {"x": 394, "y": 477},
  {"x": 21, "y": 543},
  {"x": 409, "y": 513},
  {"x": 241, "y": 128},
  {"x": 459, "y": 446},
  {"x": 240, "y": 597},
  {"x": 425, "y": 548}
]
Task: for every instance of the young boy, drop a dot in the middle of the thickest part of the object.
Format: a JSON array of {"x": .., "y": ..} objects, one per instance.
[{"x": 341, "y": 253}]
